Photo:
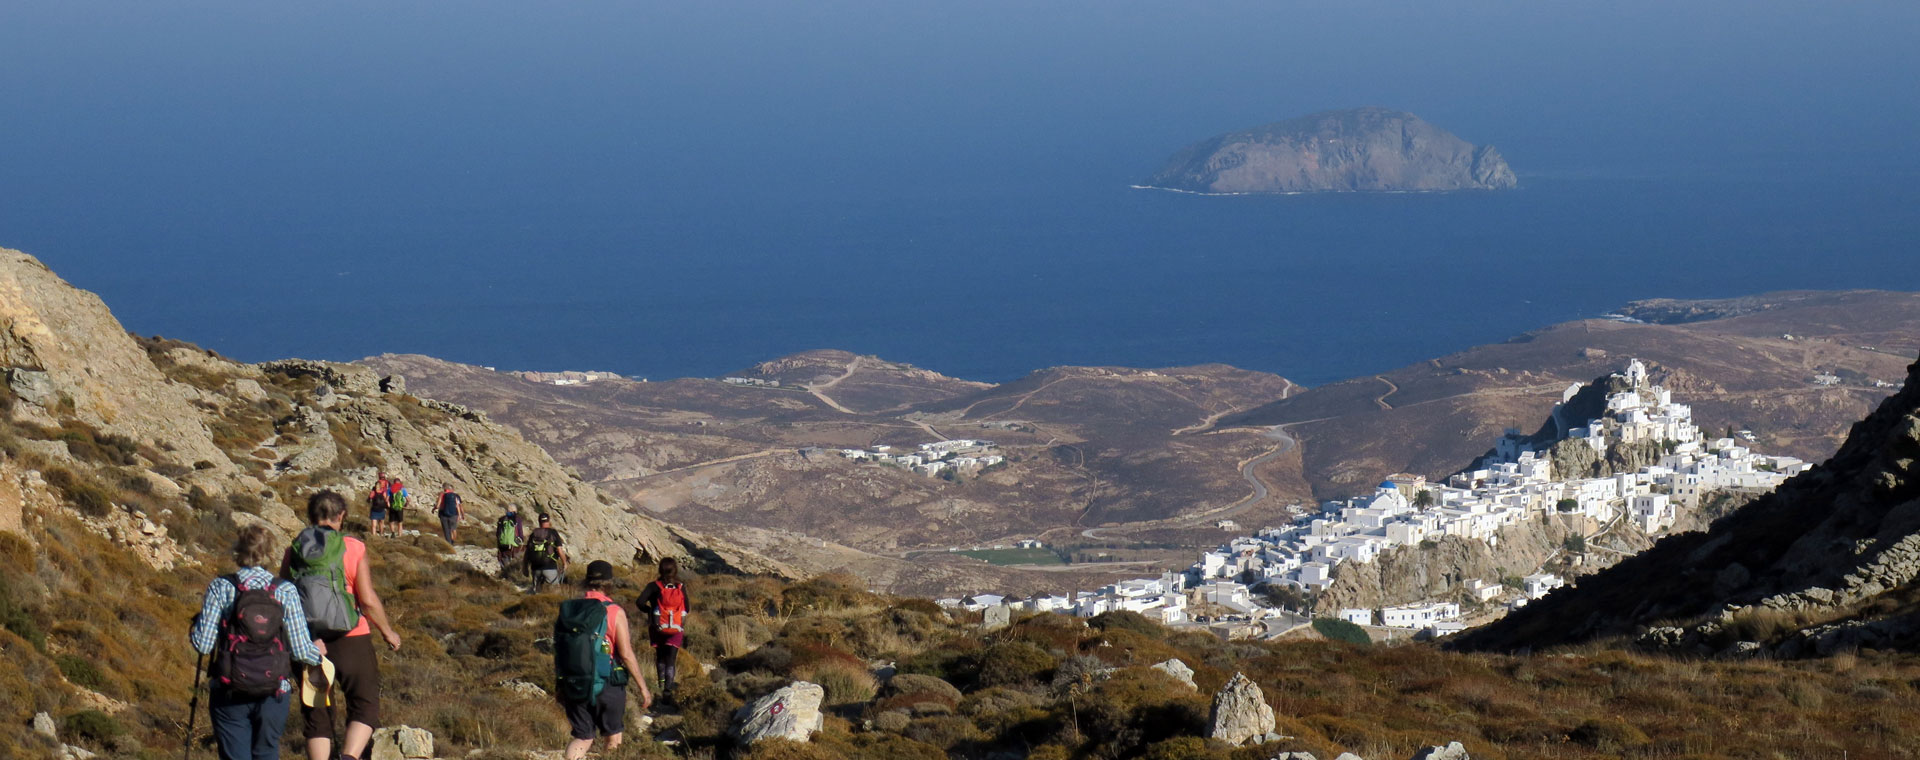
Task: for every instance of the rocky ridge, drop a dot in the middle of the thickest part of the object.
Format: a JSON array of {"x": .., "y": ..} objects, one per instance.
[{"x": 188, "y": 427}]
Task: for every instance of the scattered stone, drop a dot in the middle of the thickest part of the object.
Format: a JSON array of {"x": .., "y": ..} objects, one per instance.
[
  {"x": 70, "y": 752},
  {"x": 247, "y": 389},
  {"x": 1347, "y": 756},
  {"x": 1453, "y": 751},
  {"x": 44, "y": 726},
  {"x": 393, "y": 384},
  {"x": 523, "y": 689},
  {"x": 401, "y": 743},
  {"x": 1295, "y": 756},
  {"x": 1240, "y": 712},
  {"x": 1179, "y": 671},
  {"x": 791, "y": 712}
]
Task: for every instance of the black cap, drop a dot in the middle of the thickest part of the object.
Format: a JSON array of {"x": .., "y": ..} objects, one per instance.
[
  {"x": 543, "y": 517},
  {"x": 599, "y": 570}
]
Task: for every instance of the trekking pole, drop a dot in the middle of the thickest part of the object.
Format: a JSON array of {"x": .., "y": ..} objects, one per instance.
[{"x": 193, "y": 708}]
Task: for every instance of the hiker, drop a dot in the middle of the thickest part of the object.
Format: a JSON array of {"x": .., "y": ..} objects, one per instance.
[
  {"x": 336, "y": 585},
  {"x": 377, "y": 504},
  {"x": 451, "y": 512},
  {"x": 546, "y": 554},
  {"x": 593, "y": 662},
  {"x": 253, "y": 625},
  {"x": 664, "y": 601},
  {"x": 396, "y": 507},
  {"x": 509, "y": 534}
]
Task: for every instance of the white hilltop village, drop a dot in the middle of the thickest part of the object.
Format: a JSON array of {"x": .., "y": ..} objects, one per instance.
[{"x": 1515, "y": 484}]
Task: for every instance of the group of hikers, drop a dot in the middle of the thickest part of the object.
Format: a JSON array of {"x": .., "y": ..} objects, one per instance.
[
  {"x": 387, "y": 508},
  {"x": 306, "y": 632}
]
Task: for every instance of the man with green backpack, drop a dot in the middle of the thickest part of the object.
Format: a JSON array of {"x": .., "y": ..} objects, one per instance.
[
  {"x": 593, "y": 662},
  {"x": 335, "y": 580},
  {"x": 509, "y": 534}
]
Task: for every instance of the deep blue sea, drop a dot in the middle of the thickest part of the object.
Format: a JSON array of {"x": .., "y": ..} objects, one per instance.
[{"x": 675, "y": 189}]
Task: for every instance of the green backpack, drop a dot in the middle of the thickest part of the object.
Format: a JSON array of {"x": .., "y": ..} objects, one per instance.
[
  {"x": 317, "y": 566},
  {"x": 509, "y": 536},
  {"x": 582, "y": 665}
]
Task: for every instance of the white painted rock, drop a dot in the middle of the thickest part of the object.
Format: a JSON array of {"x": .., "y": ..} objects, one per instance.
[
  {"x": 1241, "y": 713},
  {"x": 792, "y": 712}
]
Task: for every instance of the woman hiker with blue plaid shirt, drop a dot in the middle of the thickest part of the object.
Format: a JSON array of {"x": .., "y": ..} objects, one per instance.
[{"x": 249, "y": 728}]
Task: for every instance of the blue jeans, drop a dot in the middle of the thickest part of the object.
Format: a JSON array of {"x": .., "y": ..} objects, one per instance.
[{"x": 249, "y": 729}]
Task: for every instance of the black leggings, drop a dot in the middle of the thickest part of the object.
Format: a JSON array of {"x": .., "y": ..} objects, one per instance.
[{"x": 666, "y": 661}]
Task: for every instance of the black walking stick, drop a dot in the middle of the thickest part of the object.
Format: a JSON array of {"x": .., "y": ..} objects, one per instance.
[{"x": 193, "y": 709}]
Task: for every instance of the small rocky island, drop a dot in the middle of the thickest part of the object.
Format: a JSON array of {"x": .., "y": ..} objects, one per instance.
[{"x": 1356, "y": 150}]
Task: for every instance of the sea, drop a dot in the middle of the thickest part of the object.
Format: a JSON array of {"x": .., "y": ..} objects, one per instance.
[{"x": 685, "y": 189}]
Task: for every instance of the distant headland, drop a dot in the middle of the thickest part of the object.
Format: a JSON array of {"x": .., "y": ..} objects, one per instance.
[{"x": 1349, "y": 151}]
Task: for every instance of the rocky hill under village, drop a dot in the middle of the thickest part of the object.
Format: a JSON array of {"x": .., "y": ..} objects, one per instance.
[
  {"x": 1826, "y": 563},
  {"x": 1104, "y": 457},
  {"x": 1353, "y": 150}
]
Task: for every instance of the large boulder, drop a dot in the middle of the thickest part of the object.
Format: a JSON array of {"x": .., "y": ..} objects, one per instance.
[
  {"x": 1240, "y": 712},
  {"x": 791, "y": 712},
  {"x": 401, "y": 743},
  {"x": 1179, "y": 671}
]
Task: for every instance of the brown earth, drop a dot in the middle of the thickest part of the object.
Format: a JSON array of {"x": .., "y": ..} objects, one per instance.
[{"x": 1154, "y": 455}]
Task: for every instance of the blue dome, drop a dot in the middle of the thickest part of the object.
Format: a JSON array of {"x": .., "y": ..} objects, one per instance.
[{"x": 1387, "y": 484}]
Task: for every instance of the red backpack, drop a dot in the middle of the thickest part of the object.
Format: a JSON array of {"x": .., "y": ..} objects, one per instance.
[
  {"x": 670, "y": 613},
  {"x": 251, "y": 655}
]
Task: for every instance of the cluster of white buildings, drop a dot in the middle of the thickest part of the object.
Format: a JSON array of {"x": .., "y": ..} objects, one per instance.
[
  {"x": 751, "y": 382},
  {"x": 1516, "y": 484},
  {"x": 567, "y": 378},
  {"x": 961, "y": 455}
]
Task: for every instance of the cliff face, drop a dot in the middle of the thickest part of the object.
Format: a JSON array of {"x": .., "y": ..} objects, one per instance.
[
  {"x": 171, "y": 427},
  {"x": 1440, "y": 569},
  {"x": 1355, "y": 150},
  {"x": 1826, "y": 562}
]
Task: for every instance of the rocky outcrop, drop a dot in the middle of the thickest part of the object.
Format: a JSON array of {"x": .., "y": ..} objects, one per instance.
[
  {"x": 1439, "y": 569},
  {"x": 791, "y": 712},
  {"x": 1826, "y": 561},
  {"x": 66, "y": 356},
  {"x": 1355, "y": 150},
  {"x": 1179, "y": 671},
  {"x": 401, "y": 743},
  {"x": 1240, "y": 713}
]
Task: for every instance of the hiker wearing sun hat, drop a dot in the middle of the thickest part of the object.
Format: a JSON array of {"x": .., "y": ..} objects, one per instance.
[{"x": 254, "y": 626}]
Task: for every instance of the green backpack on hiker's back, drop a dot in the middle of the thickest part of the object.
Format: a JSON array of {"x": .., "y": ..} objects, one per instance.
[
  {"x": 582, "y": 665},
  {"x": 508, "y": 532},
  {"x": 318, "y": 567}
]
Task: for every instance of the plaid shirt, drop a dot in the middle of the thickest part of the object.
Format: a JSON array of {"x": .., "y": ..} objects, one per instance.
[{"x": 219, "y": 600}]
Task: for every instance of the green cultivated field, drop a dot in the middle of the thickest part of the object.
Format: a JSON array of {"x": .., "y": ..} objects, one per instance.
[{"x": 1017, "y": 556}]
